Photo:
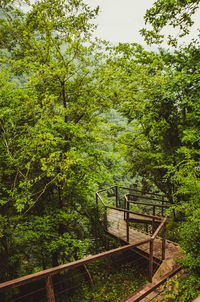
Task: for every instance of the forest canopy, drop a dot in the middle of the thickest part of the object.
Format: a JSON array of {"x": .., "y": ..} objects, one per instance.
[
  {"x": 76, "y": 112},
  {"x": 51, "y": 98}
]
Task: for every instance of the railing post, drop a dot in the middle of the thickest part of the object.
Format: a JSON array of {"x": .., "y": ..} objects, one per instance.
[
  {"x": 151, "y": 261},
  {"x": 97, "y": 204},
  {"x": 125, "y": 207},
  {"x": 154, "y": 210},
  {"x": 116, "y": 195},
  {"x": 50, "y": 290},
  {"x": 127, "y": 224},
  {"x": 162, "y": 205},
  {"x": 153, "y": 225},
  {"x": 163, "y": 241},
  {"x": 106, "y": 219}
]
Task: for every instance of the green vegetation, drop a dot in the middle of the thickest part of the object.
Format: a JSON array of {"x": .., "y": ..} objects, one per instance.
[
  {"x": 51, "y": 161},
  {"x": 76, "y": 114},
  {"x": 109, "y": 279},
  {"x": 113, "y": 286},
  {"x": 112, "y": 279}
]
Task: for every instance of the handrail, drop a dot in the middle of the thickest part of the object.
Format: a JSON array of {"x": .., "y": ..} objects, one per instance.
[
  {"x": 159, "y": 228},
  {"x": 126, "y": 211},
  {"x": 97, "y": 194},
  {"x": 137, "y": 196},
  {"x": 127, "y": 217},
  {"x": 136, "y": 190},
  {"x": 134, "y": 212},
  {"x": 102, "y": 190},
  {"x": 146, "y": 290},
  {"x": 153, "y": 205},
  {"x": 149, "y": 204},
  {"x": 129, "y": 211},
  {"x": 154, "y": 235},
  {"x": 143, "y": 192},
  {"x": 52, "y": 271},
  {"x": 145, "y": 197}
]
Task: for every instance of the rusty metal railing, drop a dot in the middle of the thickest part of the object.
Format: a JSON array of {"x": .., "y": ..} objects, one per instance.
[
  {"x": 127, "y": 212},
  {"x": 47, "y": 274}
]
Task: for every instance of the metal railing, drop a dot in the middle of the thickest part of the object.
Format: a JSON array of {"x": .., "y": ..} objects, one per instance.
[
  {"x": 127, "y": 212},
  {"x": 47, "y": 274}
]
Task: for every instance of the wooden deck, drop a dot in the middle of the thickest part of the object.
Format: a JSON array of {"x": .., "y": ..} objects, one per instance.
[
  {"x": 117, "y": 228},
  {"x": 157, "y": 250}
]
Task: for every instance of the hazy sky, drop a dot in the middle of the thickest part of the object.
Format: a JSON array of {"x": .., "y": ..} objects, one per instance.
[{"x": 121, "y": 20}]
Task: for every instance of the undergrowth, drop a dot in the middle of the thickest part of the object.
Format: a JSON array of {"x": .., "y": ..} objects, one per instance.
[{"x": 111, "y": 279}]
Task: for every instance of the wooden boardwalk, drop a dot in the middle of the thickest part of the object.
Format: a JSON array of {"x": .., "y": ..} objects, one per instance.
[
  {"x": 157, "y": 250},
  {"x": 117, "y": 228}
]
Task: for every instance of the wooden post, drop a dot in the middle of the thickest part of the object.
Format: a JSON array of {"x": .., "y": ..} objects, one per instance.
[
  {"x": 97, "y": 211},
  {"x": 163, "y": 241},
  {"x": 125, "y": 207},
  {"x": 162, "y": 205},
  {"x": 116, "y": 195},
  {"x": 105, "y": 219},
  {"x": 154, "y": 210},
  {"x": 153, "y": 225},
  {"x": 151, "y": 261},
  {"x": 49, "y": 289},
  {"x": 127, "y": 224}
]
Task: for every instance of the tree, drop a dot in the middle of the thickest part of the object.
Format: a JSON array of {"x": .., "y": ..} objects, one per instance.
[
  {"x": 175, "y": 14},
  {"x": 185, "y": 173},
  {"x": 51, "y": 96},
  {"x": 162, "y": 103}
]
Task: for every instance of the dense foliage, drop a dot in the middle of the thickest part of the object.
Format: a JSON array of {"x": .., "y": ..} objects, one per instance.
[
  {"x": 161, "y": 103},
  {"x": 51, "y": 96},
  {"x": 64, "y": 102},
  {"x": 177, "y": 15}
]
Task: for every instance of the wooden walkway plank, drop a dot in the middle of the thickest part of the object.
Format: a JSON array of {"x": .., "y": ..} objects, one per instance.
[{"x": 117, "y": 227}]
